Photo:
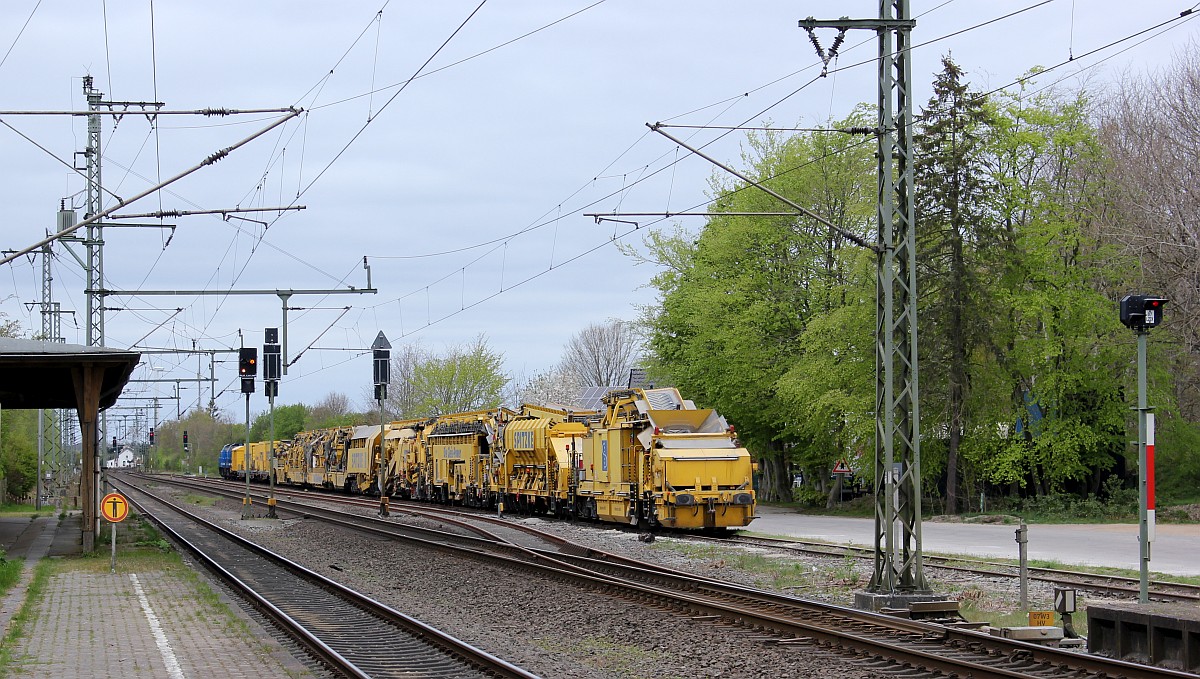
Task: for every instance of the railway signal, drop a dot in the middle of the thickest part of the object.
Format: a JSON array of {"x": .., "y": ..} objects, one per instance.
[
  {"x": 271, "y": 374},
  {"x": 381, "y": 352},
  {"x": 247, "y": 368},
  {"x": 1140, "y": 313}
]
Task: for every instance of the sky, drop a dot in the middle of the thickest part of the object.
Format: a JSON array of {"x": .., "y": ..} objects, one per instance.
[{"x": 465, "y": 188}]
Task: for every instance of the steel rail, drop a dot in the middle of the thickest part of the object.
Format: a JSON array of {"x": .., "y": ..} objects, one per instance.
[
  {"x": 871, "y": 633},
  {"x": 455, "y": 647}
]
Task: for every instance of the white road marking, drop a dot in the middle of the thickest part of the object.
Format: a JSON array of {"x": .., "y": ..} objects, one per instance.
[{"x": 160, "y": 637}]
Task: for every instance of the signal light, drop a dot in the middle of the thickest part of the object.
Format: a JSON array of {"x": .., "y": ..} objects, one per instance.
[
  {"x": 247, "y": 362},
  {"x": 151, "y": 435},
  {"x": 1140, "y": 312}
]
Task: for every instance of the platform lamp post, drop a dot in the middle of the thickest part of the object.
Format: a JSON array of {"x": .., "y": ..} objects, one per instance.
[
  {"x": 1140, "y": 313},
  {"x": 272, "y": 368},
  {"x": 247, "y": 369},
  {"x": 382, "y": 359}
]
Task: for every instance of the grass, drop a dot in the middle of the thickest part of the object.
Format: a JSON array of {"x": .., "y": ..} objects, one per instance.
[
  {"x": 202, "y": 500},
  {"x": 783, "y": 574},
  {"x": 16, "y": 629},
  {"x": 10, "y": 572}
]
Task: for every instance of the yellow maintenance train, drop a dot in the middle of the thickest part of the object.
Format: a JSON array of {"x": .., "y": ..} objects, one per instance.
[{"x": 649, "y": 457}]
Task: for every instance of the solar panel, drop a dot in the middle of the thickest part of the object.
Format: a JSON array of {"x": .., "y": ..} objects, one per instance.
[{"x": 592, "y": 398}]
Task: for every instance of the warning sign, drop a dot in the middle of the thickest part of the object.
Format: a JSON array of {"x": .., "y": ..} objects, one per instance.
[
  {"x": 115, "y": 507},
  {"x": 842, "y": 468}
]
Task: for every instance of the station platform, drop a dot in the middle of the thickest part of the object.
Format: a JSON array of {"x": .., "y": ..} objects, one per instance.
[
  {"x": 1160, "y": 633},
  {"x": 90, "y": 622}
]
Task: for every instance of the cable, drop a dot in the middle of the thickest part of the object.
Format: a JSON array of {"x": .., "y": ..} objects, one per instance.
[
  {"x": 391, "y": 99},
  {"x": 20, "y": 32},
  {"x": 626, "y": 233}
]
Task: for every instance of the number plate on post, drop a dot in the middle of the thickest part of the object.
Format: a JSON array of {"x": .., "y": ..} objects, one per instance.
[{"x": 1041, "y": 618}]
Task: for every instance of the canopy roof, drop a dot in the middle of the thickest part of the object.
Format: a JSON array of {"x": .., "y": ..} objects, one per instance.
[{"x": 36, "y": 374}]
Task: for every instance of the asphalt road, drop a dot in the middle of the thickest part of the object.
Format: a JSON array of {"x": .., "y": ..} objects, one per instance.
[{"x": 1175, "y": 549}]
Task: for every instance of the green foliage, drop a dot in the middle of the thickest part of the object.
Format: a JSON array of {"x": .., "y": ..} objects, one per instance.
[
  {"x": 1025, "y": 371},
  {"x": 18, "y": 450},
  {"x": 465, "y": 378},
  {"x": 288, "y": 421},
  {"x": 206, "y": 435},
  {"x": 1176, "y": 460},
  {"x": 1115, "y": 503},
  {"x": 808, "y": 497},
  {"x": 10, "y": 572},
  {"x": 738, "y": 299}
]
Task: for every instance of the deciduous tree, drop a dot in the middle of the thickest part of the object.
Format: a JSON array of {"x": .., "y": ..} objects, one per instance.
[{"x": 601, "y": 354}]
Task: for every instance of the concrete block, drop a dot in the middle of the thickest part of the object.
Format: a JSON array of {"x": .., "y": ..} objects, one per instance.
[{"x": 1037, "y": 635}]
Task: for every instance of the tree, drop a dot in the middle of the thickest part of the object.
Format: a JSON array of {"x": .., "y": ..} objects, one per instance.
[
  {"x": 465, "y": 378},
  {"x": 1054, "y": 367},
  {"x": 1150, "y": 128},
  {"x": 18, "y": 451},
  {"x": 404, "y": 399},
  {"x": 553, "y": 387},
  {"x": 206, "y": 436},
  {"x": 332, "y": 411},
  {"x": 288, "y": 421},
  {"x": 601, "y": 355},
  {"x": 953, "y": 225},
  {"x": 738, "y": 298}
]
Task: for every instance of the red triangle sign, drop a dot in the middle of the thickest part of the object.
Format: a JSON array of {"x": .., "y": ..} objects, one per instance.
[{"x": 841, "y": 468}]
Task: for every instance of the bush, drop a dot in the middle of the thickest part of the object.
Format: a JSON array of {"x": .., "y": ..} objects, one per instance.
[{"x": 808, "y": 497}]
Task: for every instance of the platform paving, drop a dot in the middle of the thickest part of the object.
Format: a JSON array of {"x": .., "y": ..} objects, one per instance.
[{"x": 131, "y": 623}]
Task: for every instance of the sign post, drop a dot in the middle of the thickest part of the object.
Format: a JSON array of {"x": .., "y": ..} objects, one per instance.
[
  {"x": 381, "y": 373},
  {"x": 1140, "y": 313},
  {"x": 115, "y": 508}
]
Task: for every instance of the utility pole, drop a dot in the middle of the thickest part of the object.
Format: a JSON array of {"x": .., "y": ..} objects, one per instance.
[
  {"x": 899, "y": 568},
  {"x": 50, "y": 438},
  {"x": 94, "y": 245}
]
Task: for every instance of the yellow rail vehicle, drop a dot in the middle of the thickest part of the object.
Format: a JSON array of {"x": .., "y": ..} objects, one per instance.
[
  {"x": 260, "y": 460},
  {"x": 362, "y": 461},
  {"x": 459, "y": 465},
  {"x": 655, "y": 458},
  {"x": 648, "y": 458},
  {"x": 537, "y": 459},
  {"x": 316, "y": 458},
  {"x": 405, "y": 451}
]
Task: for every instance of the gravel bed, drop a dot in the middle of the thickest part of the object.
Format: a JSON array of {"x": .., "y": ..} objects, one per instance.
[{"x": 549, "y": 628}]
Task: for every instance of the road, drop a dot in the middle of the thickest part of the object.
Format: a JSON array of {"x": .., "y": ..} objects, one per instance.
[{"x": 1175, "y": 550}]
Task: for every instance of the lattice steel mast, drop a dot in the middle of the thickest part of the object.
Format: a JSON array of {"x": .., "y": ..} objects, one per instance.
[{"x": 899, "y": 565}]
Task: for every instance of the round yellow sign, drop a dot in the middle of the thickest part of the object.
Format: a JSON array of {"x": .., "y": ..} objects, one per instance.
[{"x": 115, "y": 507}]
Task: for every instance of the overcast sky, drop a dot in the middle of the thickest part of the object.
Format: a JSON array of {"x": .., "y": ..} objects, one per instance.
[{"x": 466, "y": 189}]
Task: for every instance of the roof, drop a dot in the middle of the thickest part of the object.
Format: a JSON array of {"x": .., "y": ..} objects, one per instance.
[{"x": 36, "y": 374}]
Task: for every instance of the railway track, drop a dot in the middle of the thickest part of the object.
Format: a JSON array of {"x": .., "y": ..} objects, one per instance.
[
  {"x": 887, "y": 644},
  {"x": 1100, "y": 583},
  {"x": 1110, "y": 584},
  {"x": 350, "y": 633}
]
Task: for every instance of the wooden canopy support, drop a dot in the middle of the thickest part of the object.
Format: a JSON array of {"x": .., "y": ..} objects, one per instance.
[{"x": 36, "y": 374}]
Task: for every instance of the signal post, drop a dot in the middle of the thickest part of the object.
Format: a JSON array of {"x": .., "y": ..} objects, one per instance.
[
  {"x": 381, "y": 373},
  {"x": 272, "y": 366},
  {"x": 1140, "y": 313},
  {"x": 247, "y": 369}
]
